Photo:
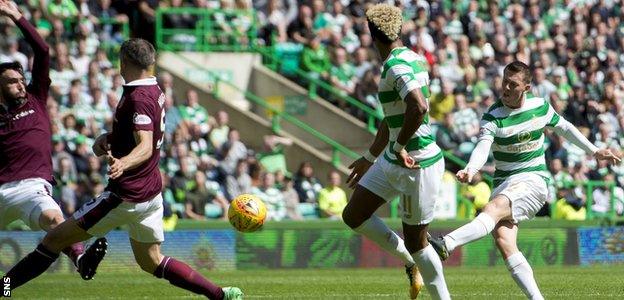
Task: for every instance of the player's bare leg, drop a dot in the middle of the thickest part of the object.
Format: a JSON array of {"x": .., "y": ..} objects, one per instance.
[
  {"x": 51, "y": 218},
  {"x": 35, "y": 263},
  {"x": 427, "y": 260},
  {"x": 497, "y": 209},
  {"x": 359, "y": 215},
  {"x": 505, "y": 236},
  {"x": 151, "y": 260}
]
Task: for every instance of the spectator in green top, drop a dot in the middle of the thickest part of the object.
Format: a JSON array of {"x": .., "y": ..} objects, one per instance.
[
  {"x": 564, "y": 90},
  {"x": 62, "y": 9},
  {"x": 316, "y": 59},
  {"x": 272, "y": 197},
  {"x": 342, "y": 74},
  {"x": 192, "y": 112},
  {"x": 561, "y": 177},
  {"x": 273, "y": 159},
  {"x": 332, "y": 199}
]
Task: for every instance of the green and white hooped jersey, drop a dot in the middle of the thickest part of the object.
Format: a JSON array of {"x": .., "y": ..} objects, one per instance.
[
  {"x": 402, "y": 72},
  {"x": 518, "y": 136}
]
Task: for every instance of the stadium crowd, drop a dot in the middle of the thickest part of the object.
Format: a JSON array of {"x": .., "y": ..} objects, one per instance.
[
  {"x": 204, "y": 164},
  {"x": 576, "y": 49}
]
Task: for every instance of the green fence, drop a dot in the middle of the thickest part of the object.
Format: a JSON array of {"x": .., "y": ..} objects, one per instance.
[
  {"x": 277, "y": 115},
  {"x": 209, "y": 35},
  {"x": 273, "y": 62},
  {"x": 215, "y": 30}
]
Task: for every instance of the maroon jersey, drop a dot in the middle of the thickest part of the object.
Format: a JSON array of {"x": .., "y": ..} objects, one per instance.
[
  {"x": 141, "y": 108},
  {"x": 25, "y": 146}
]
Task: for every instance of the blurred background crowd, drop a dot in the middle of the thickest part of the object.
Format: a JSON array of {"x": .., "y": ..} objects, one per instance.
[{"x": 575, "y": 47}]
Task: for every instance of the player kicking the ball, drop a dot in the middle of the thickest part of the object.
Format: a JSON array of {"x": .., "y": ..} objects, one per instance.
[
  {"x": 411, "y": 165},
  {"x": 132, "y": 196},
  {"x": 514, "y": 129},
  {"x": 25, "y": 148}
]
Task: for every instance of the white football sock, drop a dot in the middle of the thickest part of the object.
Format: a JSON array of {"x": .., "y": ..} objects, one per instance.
[
  {"x": 375, "y": 229},
  {"x": 523, "y": 275},
  {"x": 430, "y": 267},
  {"x": 481, "y": 226}
]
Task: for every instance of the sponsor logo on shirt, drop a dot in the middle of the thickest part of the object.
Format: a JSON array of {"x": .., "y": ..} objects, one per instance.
[
  {"x": 140, "y": 119},
  {"x": 523, "y": 147},
  {"x": 23, "y": 114}
]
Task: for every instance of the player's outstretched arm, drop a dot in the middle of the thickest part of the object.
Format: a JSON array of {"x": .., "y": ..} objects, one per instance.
[
  {"x": 478, "y": 158},
  {"x": 141, "y": 153},
  {"x": 572, "y": 134},
  {"x": 41, "y": 65},
  {"x": 360, "y": 166}
]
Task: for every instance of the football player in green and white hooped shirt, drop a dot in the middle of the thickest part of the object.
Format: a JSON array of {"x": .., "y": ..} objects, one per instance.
[
  {"x": 411, "y": 165},
  {"x": 514, "y": 129}
]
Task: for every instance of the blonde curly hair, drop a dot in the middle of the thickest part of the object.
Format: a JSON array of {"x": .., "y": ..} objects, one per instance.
[{"x": 384, "y": 22}]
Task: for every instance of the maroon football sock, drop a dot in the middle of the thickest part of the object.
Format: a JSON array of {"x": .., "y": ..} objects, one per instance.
[
  {"x": 74, "y": 251},
  {"x": 183, "y": 276},
  {"x": 31, "y": 266}
]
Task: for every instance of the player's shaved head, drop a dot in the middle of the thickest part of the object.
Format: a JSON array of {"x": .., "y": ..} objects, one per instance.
[
  {"x": 519, "y": 67},
  {"x": 138, "y": 53},
  {"x": 384, "y": 22}
]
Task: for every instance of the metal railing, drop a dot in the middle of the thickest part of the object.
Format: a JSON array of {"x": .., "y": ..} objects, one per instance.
[
  {"x": 277, "y": 115},
  {"x": 231, "y": 30},
  {"x": 208, "y": 35},
  {"x": 372, "y": 116}
]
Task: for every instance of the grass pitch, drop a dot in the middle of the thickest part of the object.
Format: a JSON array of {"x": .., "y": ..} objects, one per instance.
[{"x": 596, "y": 282}]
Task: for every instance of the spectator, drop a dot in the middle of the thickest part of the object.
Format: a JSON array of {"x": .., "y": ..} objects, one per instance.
[
  {"x": 66, "y": 186},
  {"x": 232, "y": 151},
  {"x": 62, "y": 9},
  {"x": 342, "y": 74},
  {"x": 272, "y": 197},
  {"x": 11, "y": 53},
  {"x": 291, "y": 198},
  {"x": 272, "y": 158},
  {"x": 81, "y": 155},
  {"x": 306, "y": 185},
  {"x": 478, "y": 192},
  {"x": 542, "y": 86},
  {"x": 300, "y": 30},
  {"x": 239, "y": 182},
  {"x": 332, "y": 199},
  {"x": 442, "y": 103},
  {"x": 362, "y": 62},
  {"x": 315, "y": 59},
  {"x": 202, "y": 195},
  {"x": 219, "y": 134},
  {"x": 561, "y": 177},
  {"x": 193, "y": 113}
]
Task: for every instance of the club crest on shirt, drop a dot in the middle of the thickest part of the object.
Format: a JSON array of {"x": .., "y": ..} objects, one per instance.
[
  {"x": 140, "y": 119},
  {"x": 524, "y": 136}
]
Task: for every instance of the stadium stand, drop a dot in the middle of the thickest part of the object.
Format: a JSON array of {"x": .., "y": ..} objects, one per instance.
[{"x": 575, "y": 48}]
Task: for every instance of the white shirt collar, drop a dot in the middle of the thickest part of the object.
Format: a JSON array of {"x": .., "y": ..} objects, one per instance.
[{"x": 144, "y": 81}]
